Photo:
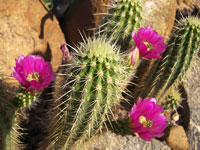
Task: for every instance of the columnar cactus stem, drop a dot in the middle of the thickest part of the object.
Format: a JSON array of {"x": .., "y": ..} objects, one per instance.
[
  {"x": 123, "y": 17},
  {"x": 7, "y": 112},
  {"x": 98, "y": 76}
]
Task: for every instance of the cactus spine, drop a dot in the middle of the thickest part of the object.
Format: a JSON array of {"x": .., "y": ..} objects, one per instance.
[
  {"x": 166, "y": 74},
  {"x": 97, "y": 77},
  {"x": 123, "y": 17}
]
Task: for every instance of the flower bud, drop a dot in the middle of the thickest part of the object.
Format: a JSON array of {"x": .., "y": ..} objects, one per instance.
[
  {"x": 66, "y": 53},
  {"x": 133, "y": 57}
]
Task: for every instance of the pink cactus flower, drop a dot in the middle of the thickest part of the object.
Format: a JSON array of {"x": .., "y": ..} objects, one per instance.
[
  {"x": 146, "y": 119},
  {"x": 133, "y": 57},
  {"x": 149, "y": 42},
  {"x": 33, "y": 72}
]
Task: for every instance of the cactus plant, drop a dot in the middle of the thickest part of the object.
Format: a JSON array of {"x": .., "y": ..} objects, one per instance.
[
  {"x": 97, "y": 77},
  {"x": 34, "y": 74},
  {"x": 7, "y": 112},
  {"x": 165, "y": 74},
  {"x": 123, "y": 17},
  {"x": 172, "y": 101}
]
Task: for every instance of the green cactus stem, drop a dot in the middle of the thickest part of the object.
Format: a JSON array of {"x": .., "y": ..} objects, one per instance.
[
  {"x": 165, "y": 74},
  {"x": 98, "y": 75},
  {"x": 173, "y": 101},
  {"x": 24, "y": 99},
  {"x": 123, "y": 17},
  {"x": 7, "y": 111}
]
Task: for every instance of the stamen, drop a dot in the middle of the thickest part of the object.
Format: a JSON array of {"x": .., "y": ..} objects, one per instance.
[
  {"x": 149, "y": 46},
  {"x": 145, "y": 122},
  {"x": 142, "y": 120},
  {"x": 34, "y": 76}
]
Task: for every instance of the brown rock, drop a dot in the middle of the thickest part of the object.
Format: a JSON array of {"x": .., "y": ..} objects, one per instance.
[
  {"x": 160, "y": 15},
  {"x": 82, "y": 18},
  {"x": 27, "y": 27},
  {"x": 188, "y": 4},
  {"x": 177, "y": 138}
]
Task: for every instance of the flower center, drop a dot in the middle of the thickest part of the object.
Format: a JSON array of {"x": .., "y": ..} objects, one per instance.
[
  {"x": 149, "y": 46},
  {"x": 33, "y": 76},
  {"x": 145, "y": 122}
]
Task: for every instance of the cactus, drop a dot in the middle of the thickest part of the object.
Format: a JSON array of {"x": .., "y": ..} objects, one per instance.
[
  {"x": 164, "y": 75},
  {"x": 7, "y": 112},
  {"x": 9, "y": 124},
  {"x": 172, "y": 101},
  {"x": 14, "y": 103},
  {"x": 24, "y": 99},
  {"x": 98, "y": 75},
  {"x": 123, "y": 17}
]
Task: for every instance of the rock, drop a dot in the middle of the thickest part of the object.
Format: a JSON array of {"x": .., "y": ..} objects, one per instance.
[
  {"x": 81, "y": 18},
  {"x": 27, "y": 27},
  {"x": 160, "y": 15},
  {"x": 192, "y": 87},
  {"x": 194, "y": 136},
  {"x": 177, "y": 138},
  {"x": 112, "y": 141},
  {"x": 188, "y": 4}
]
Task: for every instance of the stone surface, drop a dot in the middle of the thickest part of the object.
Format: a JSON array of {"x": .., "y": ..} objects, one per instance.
[
  {"x": 194, "y": 136},
  {"x": 27, "y": 27},
  {"x": 188, "y": 4},
  {"x": 111, "y": 141},
  {"x": 160, "y": 14},
  {"x": 177, "y": 138},
  {"x": 192, "y": 86}
]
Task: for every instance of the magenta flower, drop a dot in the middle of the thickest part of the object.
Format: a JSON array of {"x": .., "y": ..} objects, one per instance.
[
  {"x": 149, "y": 42},
  {"x": 146, "y": 119},
  {"x": 33, "y": 72}
]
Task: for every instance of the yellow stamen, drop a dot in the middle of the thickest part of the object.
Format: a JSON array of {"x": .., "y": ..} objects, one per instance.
[
  {"x": 145, "y": 122},
  {"x": 33, "y": 76},
  {"x": 149, "y": 46}
]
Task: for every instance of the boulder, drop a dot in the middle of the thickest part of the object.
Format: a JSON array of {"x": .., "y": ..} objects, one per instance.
[
  {"x": 160, "y": 15},
  {"x": 28, "y": 27},
  {"x": 192, "y": 87},
  {"x": 177, "y": 138}
]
